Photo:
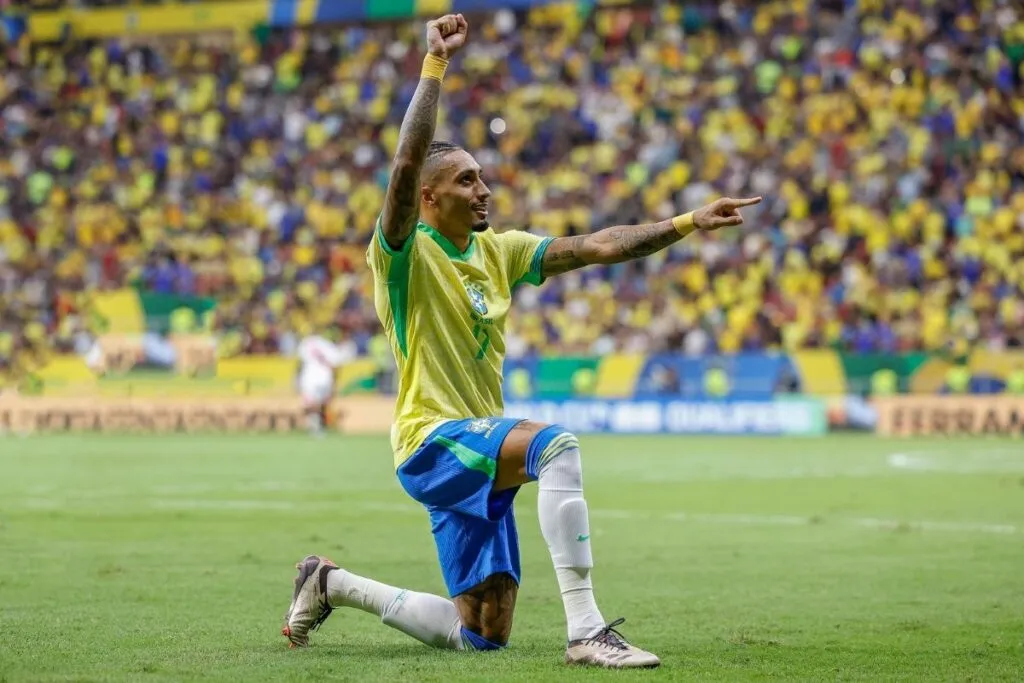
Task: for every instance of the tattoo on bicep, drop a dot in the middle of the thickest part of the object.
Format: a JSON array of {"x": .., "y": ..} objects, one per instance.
[
  {"x": 401, "y": 206},
  {"x": 487, "y": 608},
  {"x": 563, "y": 255}
]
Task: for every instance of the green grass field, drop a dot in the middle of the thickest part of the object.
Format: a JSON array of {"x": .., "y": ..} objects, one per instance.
[{"x": 842, "y": 558}]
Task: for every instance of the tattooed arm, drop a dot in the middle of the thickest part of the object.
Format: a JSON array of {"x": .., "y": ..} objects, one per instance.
[
  {"x": 612, "y": 245},
  {"x": 445, "y": 36},
  {"x": 402, "y": 204},
  {"x": 627, "y": 242}
]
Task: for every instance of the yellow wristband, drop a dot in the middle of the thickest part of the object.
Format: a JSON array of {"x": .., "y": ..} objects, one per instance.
[
  {"x": 434, "y": 67},
  {"x": 684, "y": 224}
]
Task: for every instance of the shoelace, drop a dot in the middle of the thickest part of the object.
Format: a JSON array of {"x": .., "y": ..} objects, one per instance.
[
  {"x": 609, "y": 637},
  {"x": 325, "y": 611}
]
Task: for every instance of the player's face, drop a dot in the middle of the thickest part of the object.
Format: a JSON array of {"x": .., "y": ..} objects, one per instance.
[{"x": 460, "y": 194}]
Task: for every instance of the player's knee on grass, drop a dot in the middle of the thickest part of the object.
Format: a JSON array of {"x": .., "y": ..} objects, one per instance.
[
  {"x": 552, "y": 444},
  {"x": 474, "y": 641},
  {"x": 486, "y": 612}
]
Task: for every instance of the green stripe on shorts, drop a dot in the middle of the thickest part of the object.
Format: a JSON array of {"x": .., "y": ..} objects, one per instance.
[{"x": 470, "y": 458}]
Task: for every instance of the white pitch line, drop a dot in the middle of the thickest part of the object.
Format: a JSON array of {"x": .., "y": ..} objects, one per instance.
[
  {"x": 995, "y": 461},
  {"x": 862, "y": 522},
  {"x": 968, "y": 527},
  {"x": 745, "y": 520},
  {"x": 199, "y": 504},
  {"x": 764, "y": 520},
  {"x": 730, "y": 519}
]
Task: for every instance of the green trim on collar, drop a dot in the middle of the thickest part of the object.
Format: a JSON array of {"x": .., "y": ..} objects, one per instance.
[{"x": 446, "y": 244}]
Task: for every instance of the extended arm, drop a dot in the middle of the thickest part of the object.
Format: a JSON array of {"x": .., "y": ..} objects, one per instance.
[
  {"x": 628, "y": 242},
  {"x": 611, "y": 245},
  {"x": 402, "y": 203}
]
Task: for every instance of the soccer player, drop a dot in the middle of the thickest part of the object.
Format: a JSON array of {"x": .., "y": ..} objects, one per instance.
[
  {"x": 444, "y": 283},
  {"x": 319, "y": 360}
]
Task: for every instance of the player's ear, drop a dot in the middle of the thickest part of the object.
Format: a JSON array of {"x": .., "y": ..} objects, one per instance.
[{"x": 427, "y": 196}]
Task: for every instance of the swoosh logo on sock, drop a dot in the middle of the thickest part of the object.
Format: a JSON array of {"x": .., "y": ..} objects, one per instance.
[{"x": 582, "y": 537}]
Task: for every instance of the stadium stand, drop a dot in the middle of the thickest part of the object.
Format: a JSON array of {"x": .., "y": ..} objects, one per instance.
[{"x": 181, "y": 186}]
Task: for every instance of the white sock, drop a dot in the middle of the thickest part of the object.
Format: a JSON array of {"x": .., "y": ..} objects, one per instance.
[
  {"x": 429, "y": 619},
  {"x": 565, "y": 526},
  {"x": 313, "y": 422}
]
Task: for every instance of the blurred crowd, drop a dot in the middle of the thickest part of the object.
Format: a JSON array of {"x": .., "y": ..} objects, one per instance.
[
  {"x": 886, "y": 137},
  {"x": 61, "y": 4}
]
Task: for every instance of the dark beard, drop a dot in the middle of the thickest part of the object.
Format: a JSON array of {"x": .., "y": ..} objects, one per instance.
[{"x": 481, "y": 226}]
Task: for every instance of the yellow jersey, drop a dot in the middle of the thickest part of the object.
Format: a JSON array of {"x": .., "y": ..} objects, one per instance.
[{"x": 444, "y": 311}]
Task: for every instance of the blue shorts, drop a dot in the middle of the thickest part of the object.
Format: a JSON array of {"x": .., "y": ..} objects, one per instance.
[{"x": 452, "y": 474}]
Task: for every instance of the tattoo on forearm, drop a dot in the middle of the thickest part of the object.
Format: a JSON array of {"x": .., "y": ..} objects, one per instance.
[
  {"x": 487, "y": 608},
  {"x": 401, "y": 206},
  {"x": 637, "y": 241},
  {"x": 612, "y": 245}
]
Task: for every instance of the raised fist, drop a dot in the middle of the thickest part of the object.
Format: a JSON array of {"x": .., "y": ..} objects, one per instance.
[{"x": 447, "y": 35}]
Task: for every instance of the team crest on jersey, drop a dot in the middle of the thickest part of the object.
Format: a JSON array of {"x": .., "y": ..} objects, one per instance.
[
  {"x": 476, "y": 299},
  {"x": 481, "y": 426}
]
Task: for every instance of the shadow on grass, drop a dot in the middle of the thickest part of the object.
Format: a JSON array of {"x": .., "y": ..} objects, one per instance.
[
  {"x": 410, "y": 652},
  {"x": 391, "y": 651}
]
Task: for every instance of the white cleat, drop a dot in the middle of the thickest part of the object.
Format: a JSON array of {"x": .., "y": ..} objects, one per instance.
[
  {"x": 309, "y": 606},
  {"x": 609, "y": 650}
]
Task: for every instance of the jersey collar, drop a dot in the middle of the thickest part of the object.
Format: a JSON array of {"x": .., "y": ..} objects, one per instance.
[{"x": 446, "y": 244}]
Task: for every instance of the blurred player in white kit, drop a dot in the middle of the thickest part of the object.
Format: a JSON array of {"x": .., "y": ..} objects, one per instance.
[{"x": 319, "y": 359}]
